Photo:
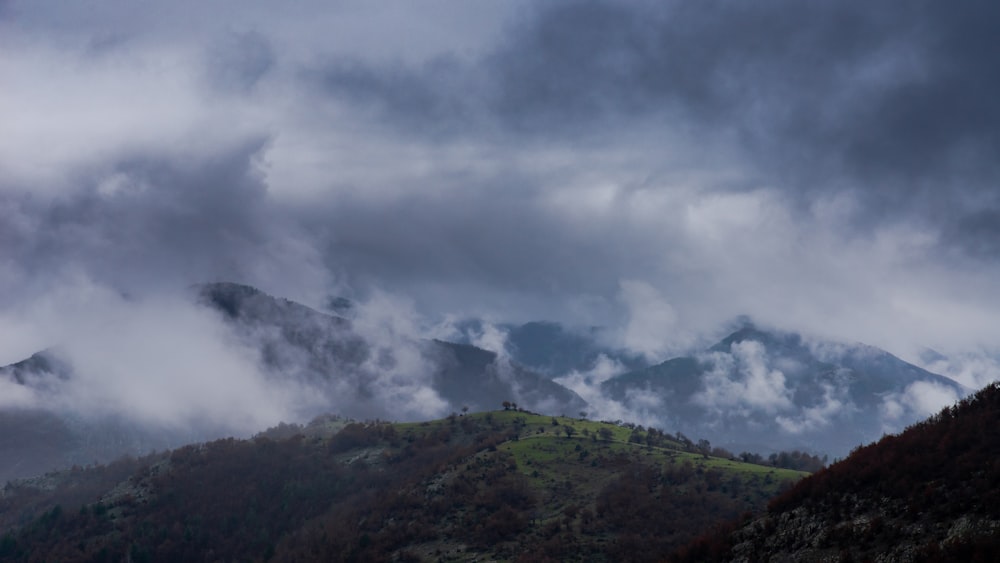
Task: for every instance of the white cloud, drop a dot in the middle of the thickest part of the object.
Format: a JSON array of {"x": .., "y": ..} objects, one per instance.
[
  {"x": 15, "y": 395},
  {"x": 834, "y": 403},
  {"x": 492, "y": 338},
  {"x": 743, "y": 380},
  {"x": 917, "y": 401},
  {"x": 652, "y": 321},
  {"x": 66, "y": 111},
  {"x": 665, "y": 228},
  {"x": 926, "y": 398},
  {"x": 158, "y": 360},
  {"x": 643, "y": 406},
  {"x": 396, "y": 368},
  {"x": 974, "y": 369}
]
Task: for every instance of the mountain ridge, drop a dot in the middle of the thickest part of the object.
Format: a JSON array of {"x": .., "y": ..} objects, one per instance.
[
  {"x": 929, "y": 493},
  {"x": 297, "y": 346},
  {"x": 785, "y": 389},
  {"x": 499, "y": 485},
  {"x": 754, "y": 390}
]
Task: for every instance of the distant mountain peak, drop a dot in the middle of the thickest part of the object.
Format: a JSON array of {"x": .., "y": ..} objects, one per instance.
[
  {"x": 788, "y": 343},
  {"x": 237, "y": 300},
  {"x": 785, "y": 390}
]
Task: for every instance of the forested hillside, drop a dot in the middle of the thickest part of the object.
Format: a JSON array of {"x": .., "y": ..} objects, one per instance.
[
  {"x": 506, "y": 485},
  {"x": 931, "y": 493}
]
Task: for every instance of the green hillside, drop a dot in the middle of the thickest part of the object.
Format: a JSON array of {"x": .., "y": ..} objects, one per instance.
[{"x": 504, "y": 485}]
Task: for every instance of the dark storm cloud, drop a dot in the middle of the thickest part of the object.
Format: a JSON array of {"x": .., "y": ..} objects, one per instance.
[
  {"x": 511, "y": 241},
  {"x": 440, "y": 97},
  {"x": 239, "y": 60},
  {"x": 151, "y": 220},
  {"x": 812, "y": 163},
  {"x": 895, "y": 104}
]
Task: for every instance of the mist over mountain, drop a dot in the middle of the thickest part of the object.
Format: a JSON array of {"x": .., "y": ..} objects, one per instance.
[
  {"x": 654, "y": 168},
  {"x": 223, "y": 217},
  {"x": 42, "y": 431},
  {"x": 299, "y": 363},
  {"x": 755, "y": 390},
  {"x": 549, "y": 347},
  {"x": 369, "y": 370},
  {"x": 762, "y": 390},
  {"x": 453, "y": 204},
  {"x": 247, "y": 360}
]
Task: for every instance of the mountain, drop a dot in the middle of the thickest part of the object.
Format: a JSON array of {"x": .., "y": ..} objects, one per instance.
[
  {"x": 552, "y": 349},
  {"x": 760, "y": 390},
  {"x": 344, "y": 369},
  {"x": 931, "y": 493},
  {"x": 35, "y": 438},
  {"x": 471, "y": 376},
  {"x": 300, "y": 343},
  {"x": 495, "y": 486},
  {"x": 755, "y": 390}
]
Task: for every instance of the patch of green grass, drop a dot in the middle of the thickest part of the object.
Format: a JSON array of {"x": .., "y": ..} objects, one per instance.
[{"x": 591, "y": 456}]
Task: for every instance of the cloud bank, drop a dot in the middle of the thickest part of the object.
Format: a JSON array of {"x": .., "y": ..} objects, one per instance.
[
  {"x": 161, "y": 362},
  {"x": 656, "y": 168}
]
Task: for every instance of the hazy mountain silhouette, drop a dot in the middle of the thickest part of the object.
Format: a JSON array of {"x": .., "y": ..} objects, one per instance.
[
  {"x": 761, "y": 390},
  {"x": 302, "y": 342},
  {"x": 552, "y": 349},
  {"x": 299, "y": 347},
  {"x": 754, "y": 390}
]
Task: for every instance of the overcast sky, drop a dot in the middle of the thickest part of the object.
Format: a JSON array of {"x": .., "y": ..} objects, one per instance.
[{"x": 655, "y": 167}]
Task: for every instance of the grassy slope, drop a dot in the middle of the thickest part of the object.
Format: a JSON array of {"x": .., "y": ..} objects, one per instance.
[
  {"x": 542, "y": 441},
  {"x": 568, "y": 473},
  {"x": 546, "y": 455}
]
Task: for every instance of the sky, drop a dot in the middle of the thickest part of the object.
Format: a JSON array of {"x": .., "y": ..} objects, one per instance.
[{"x": 656, "y": 168}]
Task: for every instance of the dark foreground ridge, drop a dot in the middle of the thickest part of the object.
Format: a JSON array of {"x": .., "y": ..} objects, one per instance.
[{"x": 931, "y": 493}]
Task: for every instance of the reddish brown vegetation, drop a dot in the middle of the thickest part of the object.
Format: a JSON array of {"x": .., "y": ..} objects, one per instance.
[
  {"x": 931, "y": 475},
  {"x": 374, "y": 493}
]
